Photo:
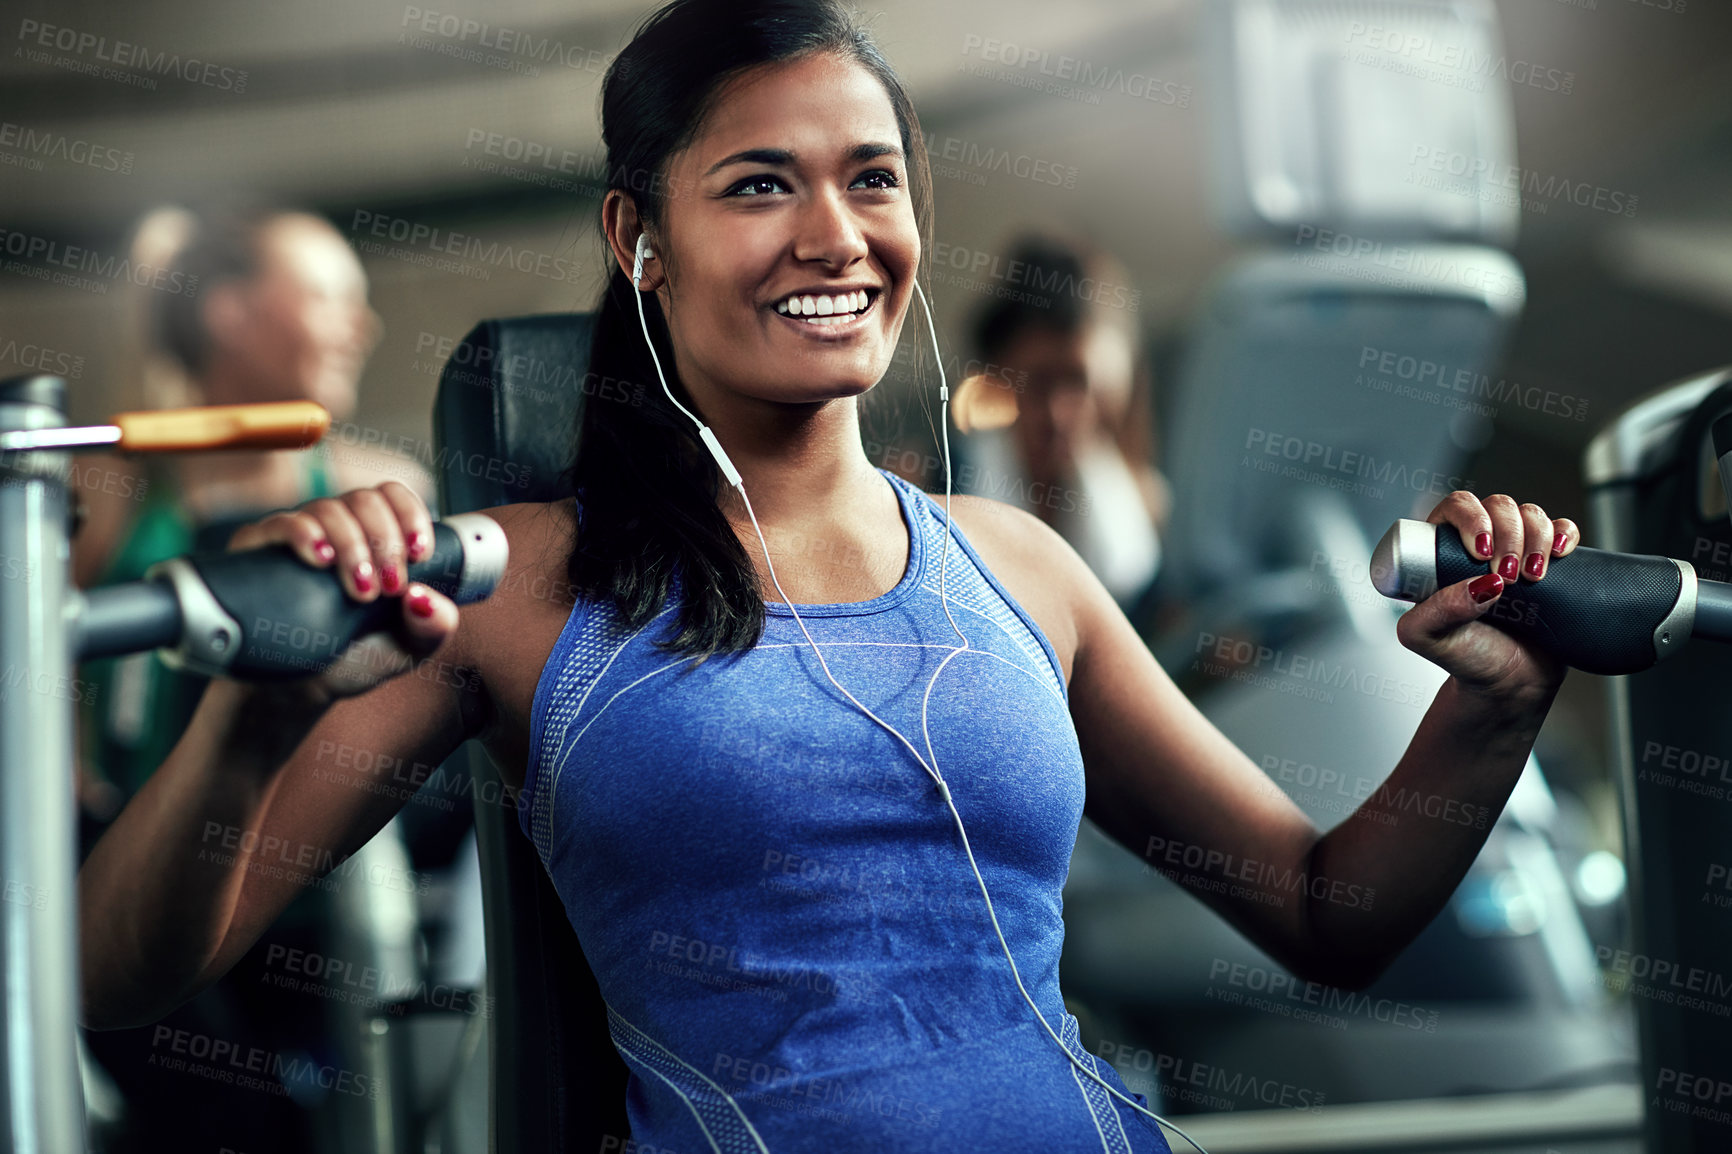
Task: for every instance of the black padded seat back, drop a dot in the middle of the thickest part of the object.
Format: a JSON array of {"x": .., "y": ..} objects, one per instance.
[{"x": 503, "y": 421}]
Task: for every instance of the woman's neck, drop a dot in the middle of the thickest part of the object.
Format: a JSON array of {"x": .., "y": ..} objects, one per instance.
[{"x": 798, "y": 468}]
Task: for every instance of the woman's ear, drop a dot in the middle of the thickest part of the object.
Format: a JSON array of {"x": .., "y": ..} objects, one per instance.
[{"x": 620, "y": 220}]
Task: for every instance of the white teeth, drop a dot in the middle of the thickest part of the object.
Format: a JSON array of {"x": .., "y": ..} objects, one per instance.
[{"x": 823, "y": 306}]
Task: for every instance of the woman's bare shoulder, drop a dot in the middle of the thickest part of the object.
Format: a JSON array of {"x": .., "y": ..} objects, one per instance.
[
  {"x": 539, "y": 536},
  {"x": 1036, "y": 565},
  {"x": 508, "y": 637},
  {"x": 1012, "y": 535},
  {"x": 537, "y": 523}
]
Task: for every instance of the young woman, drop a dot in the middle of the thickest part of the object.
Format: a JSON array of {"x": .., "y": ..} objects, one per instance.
[{"x": 773, "y": 892}]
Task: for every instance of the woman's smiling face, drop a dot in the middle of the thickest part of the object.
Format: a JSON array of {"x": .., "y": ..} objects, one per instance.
[{"x": 795, "y": 192}]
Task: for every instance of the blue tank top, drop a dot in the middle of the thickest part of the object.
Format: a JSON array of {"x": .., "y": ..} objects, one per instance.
[{"x": 793, "y": 950}]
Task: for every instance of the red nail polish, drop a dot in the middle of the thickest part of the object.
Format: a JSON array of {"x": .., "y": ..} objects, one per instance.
[
  {"x": 324, "y": 550},
  {"x": 389, "y": 579},
  {"x": 1482, "y": 545},
  {"x": 1510, "y": 567},
  {"x": 1559, "y": 542},
  {"x": 364, "y": 577},
  {"x": 420, "y": 603},
  {"x": 1483, "y": 589},
  {"x": 417, "y": 545},
  {"x": 1536, "y": 565}
]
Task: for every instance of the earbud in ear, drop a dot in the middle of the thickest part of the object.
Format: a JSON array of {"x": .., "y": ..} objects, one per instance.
[{"x": 644, "y": 252}]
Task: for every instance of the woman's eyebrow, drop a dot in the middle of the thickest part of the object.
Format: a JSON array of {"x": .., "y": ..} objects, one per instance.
[{"x": 783, "y": 156}]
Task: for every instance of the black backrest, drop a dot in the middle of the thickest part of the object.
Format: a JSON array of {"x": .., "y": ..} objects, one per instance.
[
  {"x": 1654, "y": 489},
  {"x": 508, "y": 400}
]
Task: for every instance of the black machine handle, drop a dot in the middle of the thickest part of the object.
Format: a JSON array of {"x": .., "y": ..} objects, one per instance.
[
  {"x": 264, "y": 614},
  {"x": 1598, "y": 611}
]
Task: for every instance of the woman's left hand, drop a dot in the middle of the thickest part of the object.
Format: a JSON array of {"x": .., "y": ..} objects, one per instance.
[{"x": 1521, "y": 541}]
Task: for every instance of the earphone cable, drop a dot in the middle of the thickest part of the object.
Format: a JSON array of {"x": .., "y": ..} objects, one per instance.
[{"x": 991, "y": 912}]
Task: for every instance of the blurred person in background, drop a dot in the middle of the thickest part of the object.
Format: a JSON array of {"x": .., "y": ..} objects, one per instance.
[
  {"x": 279, "y": 312},
  {"x": 1063, "y": 378}
]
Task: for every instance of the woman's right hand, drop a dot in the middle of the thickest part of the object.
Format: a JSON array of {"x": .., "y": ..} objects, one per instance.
[{"x": 369, "y": 536}]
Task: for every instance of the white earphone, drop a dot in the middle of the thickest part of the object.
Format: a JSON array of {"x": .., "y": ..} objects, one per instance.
[{"x": 644, "y": 252}]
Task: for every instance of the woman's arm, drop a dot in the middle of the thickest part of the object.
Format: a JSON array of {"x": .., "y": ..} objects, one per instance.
[
  {"x": 260, "y": 798},
  {"x": 1462, "y": 763},
  {"x": 1338, "y": 908}
]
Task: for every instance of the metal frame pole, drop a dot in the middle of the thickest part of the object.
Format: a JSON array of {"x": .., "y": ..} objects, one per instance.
[{"x": 41, "y": 1095}]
